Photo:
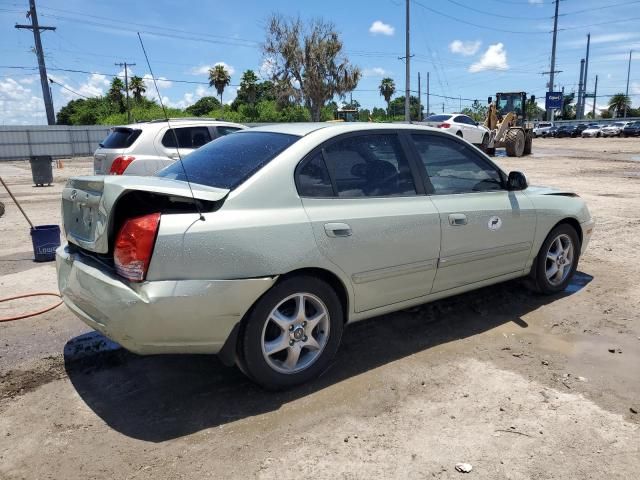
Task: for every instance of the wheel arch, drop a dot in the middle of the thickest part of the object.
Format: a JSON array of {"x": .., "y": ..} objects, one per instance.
[{"x": 572, "y": 222}]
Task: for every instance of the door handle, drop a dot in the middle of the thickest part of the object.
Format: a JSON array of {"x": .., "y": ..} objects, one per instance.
[
  {"x": 337, "y": 230},
  {"x": 457, "y": 219}
]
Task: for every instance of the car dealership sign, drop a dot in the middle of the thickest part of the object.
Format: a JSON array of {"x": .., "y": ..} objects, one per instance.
[{"x": 553, "y": 101}]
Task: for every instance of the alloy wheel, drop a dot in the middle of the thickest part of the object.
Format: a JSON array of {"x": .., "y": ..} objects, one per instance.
[{"x": 560, "y": 256}]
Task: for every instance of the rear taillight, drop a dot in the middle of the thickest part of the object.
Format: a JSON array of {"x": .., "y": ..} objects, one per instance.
[
  {"x": 444, "y": 125},
  {"x": 134, "y": 246},
  {"x": 120, "y": 164}
]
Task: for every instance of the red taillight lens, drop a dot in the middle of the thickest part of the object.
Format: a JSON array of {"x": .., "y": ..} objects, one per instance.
[
  {"x": 444, "y": 125},
  {"x": 120, "y": 164},
  {"x": 134, "y": 245}
]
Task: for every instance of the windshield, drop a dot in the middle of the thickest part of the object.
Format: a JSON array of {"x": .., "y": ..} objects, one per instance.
[
  {"x": 229, "y": 161},
  {"x": 438, "y": 118}
]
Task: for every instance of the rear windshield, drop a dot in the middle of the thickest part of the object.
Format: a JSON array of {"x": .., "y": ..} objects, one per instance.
[
  {"x": 230, "y": 160},
  {"x": 121, "y": 138},
  {"x": 438, "y": 118}
]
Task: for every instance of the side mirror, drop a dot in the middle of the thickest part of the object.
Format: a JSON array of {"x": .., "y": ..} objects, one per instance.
[
  {"x": 477, "y": 123},
  {"x": 490, "y": 99},
  {"x": 517, "y": 181}
]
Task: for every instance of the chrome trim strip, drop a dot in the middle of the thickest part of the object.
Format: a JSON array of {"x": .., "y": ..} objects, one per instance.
[
  {"x": 483, "y": 254},
  {"x": 396, "y": 271}
]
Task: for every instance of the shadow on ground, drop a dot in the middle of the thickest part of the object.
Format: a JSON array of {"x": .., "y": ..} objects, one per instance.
[{"x": 158, "y": 398}]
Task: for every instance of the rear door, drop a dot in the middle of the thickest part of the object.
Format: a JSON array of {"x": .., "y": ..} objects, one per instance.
[
  {"x": 370, "y": 216},
  {"x": 487, "y": 231}
]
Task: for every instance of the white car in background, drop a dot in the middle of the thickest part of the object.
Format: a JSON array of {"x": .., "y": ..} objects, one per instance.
[
  {"x": 613, "y": 129},
  {"x": 145, "y": 148},
  {"x": 592, "y": 131},
  {"x": 541, "y": 129},
  {"x": 461, "y": 125}
]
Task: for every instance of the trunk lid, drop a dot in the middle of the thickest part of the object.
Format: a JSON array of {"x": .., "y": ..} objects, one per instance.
[{"x": 88, "y": 203}]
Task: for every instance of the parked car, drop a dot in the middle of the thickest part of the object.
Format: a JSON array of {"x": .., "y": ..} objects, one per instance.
[
  {"x": 550, "y": 132},
  {"x": 288, "y": 232},
  {"x": 632, "y": 129},
  {"x": 145, "y": 148},
  {"x": 592, "y": 131},
  {"x": 541, "y": 129},
  {"x": 581, "y": 127},
  {"x": 566, "y": 131},
  {"x": 460, "y": 125},
  {"x": 613, "y": 129}
]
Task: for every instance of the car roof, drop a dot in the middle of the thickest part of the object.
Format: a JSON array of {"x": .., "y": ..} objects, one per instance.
[
  {"x": 303, "y": 129},
  {"x": 179, "y": 122}
]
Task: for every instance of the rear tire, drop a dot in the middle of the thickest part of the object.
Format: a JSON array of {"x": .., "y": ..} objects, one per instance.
[
  {"x": 528, "y": 144},
  {"x": 292, "y": 333},
  {"x": 514, "y": 142},
  {"x": 557, "y": 260}
]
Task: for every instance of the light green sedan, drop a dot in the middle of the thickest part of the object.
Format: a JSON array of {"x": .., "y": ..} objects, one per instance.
[{"x": 262, "y": 245}]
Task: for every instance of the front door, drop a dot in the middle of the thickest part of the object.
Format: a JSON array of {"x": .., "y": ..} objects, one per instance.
[
  {"x": 487, "y": 231},
  {"x": 369, "y": 219}
]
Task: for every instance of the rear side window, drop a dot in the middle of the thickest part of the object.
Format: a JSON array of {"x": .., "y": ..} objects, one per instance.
[
  {"x": 369, "y": 166},
  {"x": 313, "y": 178},
  {"x": 121, "y": 138},
  {"x": 228, "y": 161},
  {"x": 188, "y": 137},
  {"x": 453, "y": 167}
]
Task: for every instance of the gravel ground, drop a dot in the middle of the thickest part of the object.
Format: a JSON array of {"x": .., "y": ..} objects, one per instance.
[{"x": 518, "y": 385}]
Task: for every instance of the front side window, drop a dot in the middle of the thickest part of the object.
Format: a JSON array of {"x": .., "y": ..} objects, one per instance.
[
  {"x": 230, "y": 160},
  {"x": 188, "y": 137},
  {"x": 453, "y": 167},
  {"x": 369, "y": 166}
]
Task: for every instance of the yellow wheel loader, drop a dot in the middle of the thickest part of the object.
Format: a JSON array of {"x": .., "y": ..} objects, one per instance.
[{"x": 507, "y": 124}]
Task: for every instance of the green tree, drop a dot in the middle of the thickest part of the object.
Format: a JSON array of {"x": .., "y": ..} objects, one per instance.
[
  {"x": 219, "y": 78},
  {"x": 115, "y": 93},
  {"x": 477, "y": 111},
  {"x": 618, "y": 103},
  {"x": 203, "y": 106},
  {"x": 397, "y": 108},
  {"x": 249, "y": 87},
  {"x": 137, "y": 87},
  {"x": 568, "y": 110},
  {"x": 308, "y": 62},
  {"x": 534, "y": 112},
  {"x": 387, "y": 89}
]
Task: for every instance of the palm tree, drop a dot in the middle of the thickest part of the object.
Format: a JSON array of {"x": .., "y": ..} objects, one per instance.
[
  {"x": 219, "y": 78},
  {"x": 618, "y": 103},
  {"x": 137, "y": 87},
  {"x": 387, "y": 89}
]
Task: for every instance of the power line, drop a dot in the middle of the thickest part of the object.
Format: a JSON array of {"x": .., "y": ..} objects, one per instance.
[
  {"x": 491, "y": 14},
  {"x": 67, "y": 88}
]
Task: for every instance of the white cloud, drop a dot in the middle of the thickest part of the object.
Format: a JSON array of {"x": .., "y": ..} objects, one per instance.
[
  {"x": 374, "y": 72},
  {"x": 379, "y": 27},
  {"x": 536, "y": 2},
  {"x": 495, "y": 58},
  {"x": 19, "y": 105},
  {"x": 465, "y": 48},
  {"x": 204, "y": 69},
  {"x": 604, "y": 38},
  {"x": 27, "y": 80},
  {"x": 635, "y": 88},
  {"x": 267, "y": 68}
]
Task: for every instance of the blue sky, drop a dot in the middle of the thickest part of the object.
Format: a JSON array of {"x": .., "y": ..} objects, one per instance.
[{"x": 471, "y": 49}]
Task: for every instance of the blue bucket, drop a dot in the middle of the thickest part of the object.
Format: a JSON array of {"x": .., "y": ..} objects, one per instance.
[{"x": 45, "y": 239}]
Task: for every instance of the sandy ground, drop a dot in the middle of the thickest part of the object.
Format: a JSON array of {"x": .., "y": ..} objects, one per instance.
[{"x": 518, "y": 385}]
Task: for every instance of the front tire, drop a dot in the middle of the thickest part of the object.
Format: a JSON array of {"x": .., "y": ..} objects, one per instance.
[
  {"x": 292, "y": 333},
  {"x": 557, "y": 260}
]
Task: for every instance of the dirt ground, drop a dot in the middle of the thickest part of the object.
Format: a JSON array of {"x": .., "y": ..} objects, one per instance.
[{"x": 518, "y": 385}]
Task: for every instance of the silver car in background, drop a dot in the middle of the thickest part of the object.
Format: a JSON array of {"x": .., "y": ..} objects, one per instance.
[{"x": 288, "y": 232}]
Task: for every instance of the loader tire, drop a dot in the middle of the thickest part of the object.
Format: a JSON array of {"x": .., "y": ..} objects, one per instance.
[
  {"x": 528, "y": 143},
  {"x": 514, "y": 142}
]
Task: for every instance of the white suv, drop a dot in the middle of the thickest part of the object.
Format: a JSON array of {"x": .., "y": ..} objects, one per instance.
[{"x": 145, "y": 148}]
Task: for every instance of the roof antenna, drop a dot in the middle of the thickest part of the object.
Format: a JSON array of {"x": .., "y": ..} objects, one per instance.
[{"x": 175, "y": 136}]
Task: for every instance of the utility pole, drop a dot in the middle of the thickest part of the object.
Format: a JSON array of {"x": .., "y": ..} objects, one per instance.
[
  {"x": 44, "y": 81},
  {"x": 553, "y": 54},
  {"x": 407, "y": 111},
  {"x": 460, "y": 104},
  {"x": 595, "y": 97},
  {"x": 627, "y": 92},
  {"x": 126, "y": 84},
  {"x": 579, "y": 110},
  {"x": 586, "y": 72},
  {"x": 428, "y": 110},
  {"x": 419, "y": 100}
]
